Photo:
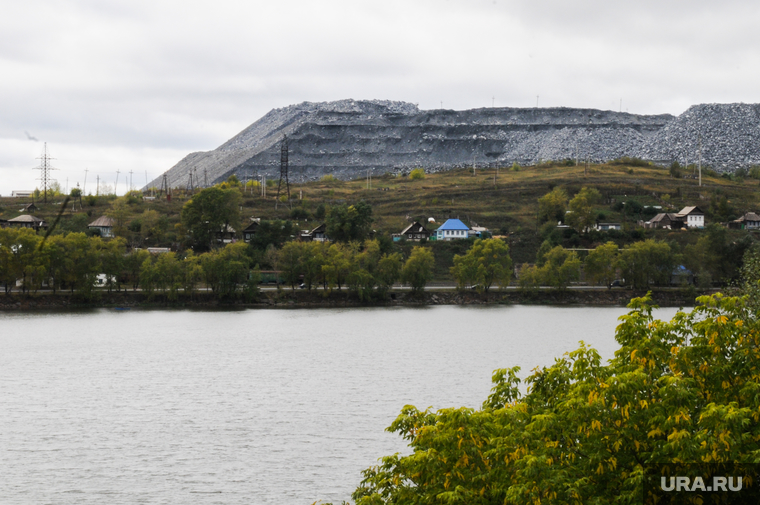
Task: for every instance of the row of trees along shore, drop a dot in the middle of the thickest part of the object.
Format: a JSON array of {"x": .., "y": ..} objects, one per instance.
[{"x": 369, "y": 269}]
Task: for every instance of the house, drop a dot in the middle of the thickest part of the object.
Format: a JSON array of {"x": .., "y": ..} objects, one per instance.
[
  {"x": 665, "y": 220},
  {"x": 158, "y": 250},
  {"x": 452, "y": 229},
  {"x": 414, "y": 231},
  {"x": 102, "y": 226},
  {"x": 693, "y": 217},
  {"x": 317, "y": 234},
  {"x": 749, "y": 221},
  {"x": 250, "y": 230},
  {"x": 27, "y": 221},
  {"x": 608, "y": 226},
  {"x": 681, "y": 276},
  {"x": 30, "y": 207},
  {"x": 4, "y": 223},
  {"x": 21, "y": 194},
  {"x": 226, "y": 234}
]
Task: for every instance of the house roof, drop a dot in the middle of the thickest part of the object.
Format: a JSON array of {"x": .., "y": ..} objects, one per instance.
[
  {"x": 26, "y": 219},
  {"x": 252, "y": 227},
  {"x": 749, "y": 216},
  {"x": 321, "y": 227},
  {"x": 453, "y": 224},
  {"x": 102, "y": 222},
  {"x": 690, "y": 210},
  {"x": 663, "y": 216},
  {"x": 422, "y": 228}
]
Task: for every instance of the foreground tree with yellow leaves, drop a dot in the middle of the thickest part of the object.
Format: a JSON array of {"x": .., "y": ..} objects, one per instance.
[{"x": 678, "y": 392}]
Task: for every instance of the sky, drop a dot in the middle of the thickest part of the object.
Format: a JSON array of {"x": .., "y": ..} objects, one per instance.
[{"x": 135, "y": 85}]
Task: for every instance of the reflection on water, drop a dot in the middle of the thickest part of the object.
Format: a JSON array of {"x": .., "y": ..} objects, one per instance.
[{"x": 251, "y": 406}]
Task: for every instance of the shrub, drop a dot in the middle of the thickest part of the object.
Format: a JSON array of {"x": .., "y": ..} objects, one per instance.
[{"x": 417, "y": 174}]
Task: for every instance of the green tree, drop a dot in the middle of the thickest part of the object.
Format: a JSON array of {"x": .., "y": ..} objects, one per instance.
[
  {"x": 273, "y": 233},
  {"x": 485, "y": 263},
  {"x": 601, "y": 264},
  {"x": 552, "y": 206},
  {"x": 291, "y": 260},
  {"x": 582, "y": 216},
  {"x": 388, "y": 272},
  {"x": 647, "y": 262},
  {"x": 209, "y": 212},
  {"x": 560, "y": 268},
  {"x": 418, "y": 269},
  {"x": 338, "y": 264},
  {"x": 677, "y": 391},
  {"x": 345, "y": 223}
]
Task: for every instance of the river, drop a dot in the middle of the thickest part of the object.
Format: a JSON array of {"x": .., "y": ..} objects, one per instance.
[{"x": 258, "y": 406}]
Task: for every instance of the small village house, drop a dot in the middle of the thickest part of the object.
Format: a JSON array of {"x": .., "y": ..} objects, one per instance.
[
  {"x": 665, "y": 220},
  {"x": 414, "y": 232},
  {"x": 749, "y": 221},
  {"x": 452, "y": 229},
  {"x": 693, "y": 217},
  {"x": 27, "y": 221},
  {"x": 317, "y": 234},
  {"x": 250, "y": 230},
  {"x": 102, "y": 226}
]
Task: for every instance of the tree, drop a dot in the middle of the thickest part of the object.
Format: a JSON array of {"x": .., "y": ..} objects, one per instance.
[
  {"x": 209, "y": 212},
  {"x": 552, "y": 206},
  {"x": 601, "y": 264},
  {"x": 418, "y": 269},
  {"x": 274, "y": 233},
  {"x": 388, "y": 272},
  {"x": 345, "y": 223},
  {"x": 561, "y": 267},
  {"x": 646, "y": 262},
  {"x": 291, "y": 259},
  {"x": 677, "y": 391},
  {"x": 581, "y": 215},
  {"x": 486, "y": 262}
]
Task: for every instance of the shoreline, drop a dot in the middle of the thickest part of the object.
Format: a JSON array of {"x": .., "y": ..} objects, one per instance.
[{"x": 319, "y": 299}]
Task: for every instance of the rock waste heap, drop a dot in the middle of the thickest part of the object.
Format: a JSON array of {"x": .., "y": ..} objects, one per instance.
[{"x": 347, "y": 138}]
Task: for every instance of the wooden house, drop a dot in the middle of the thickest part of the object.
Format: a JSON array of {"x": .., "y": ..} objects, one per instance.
[
  {"x": 27, "y": 221},
  {"x": 250, "y": 231},
  {"x": 102, "y": 226},
  {"x": 749, "y": 221},
  {"x": 414, "y": 232}
]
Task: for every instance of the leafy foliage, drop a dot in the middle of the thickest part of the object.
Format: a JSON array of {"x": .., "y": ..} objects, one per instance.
[
  {"x": 345, "y": 223},
  {"x": 211, "y": 211},
  {"x": 678, "y": 391},
  {"x": 486, "y": 262}
]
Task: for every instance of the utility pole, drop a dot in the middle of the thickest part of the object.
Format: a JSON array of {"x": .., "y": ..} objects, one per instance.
[
  {"x": 130, "y": 180},
  {"x": 116, "y": 186},
  {"x": 84, "y": 186},
  {"x": 536, "y": 101},
  {"x": 205, "y": 178},
  {"x": 700, "y": 159},
  {"x": 97, "y": 187},
  {"x": 493, "y": 101},
  {"x": 283, "y": 169}
]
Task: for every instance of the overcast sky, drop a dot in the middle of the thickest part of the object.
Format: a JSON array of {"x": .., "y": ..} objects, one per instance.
[{"x": 137, "y": 84}]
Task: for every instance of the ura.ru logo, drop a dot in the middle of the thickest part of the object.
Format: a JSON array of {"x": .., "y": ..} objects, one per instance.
[{"x": 698, "y": 484}]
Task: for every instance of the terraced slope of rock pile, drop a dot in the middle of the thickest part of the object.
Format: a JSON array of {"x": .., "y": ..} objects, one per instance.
[
  {"x": 730, "y": 137},
  {"x": 347, "y": 138}
]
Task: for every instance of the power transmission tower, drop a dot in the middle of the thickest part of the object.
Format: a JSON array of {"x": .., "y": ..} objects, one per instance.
[
  {"x": 283, "y": 169},
  {"x": 45, "y": 168}
]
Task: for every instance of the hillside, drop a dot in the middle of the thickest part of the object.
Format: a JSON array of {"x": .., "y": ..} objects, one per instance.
[{"x": 508, "y": 207}]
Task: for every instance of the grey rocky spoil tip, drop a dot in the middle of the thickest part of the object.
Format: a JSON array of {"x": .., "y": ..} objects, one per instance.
[{"x": 349, "y": 138}]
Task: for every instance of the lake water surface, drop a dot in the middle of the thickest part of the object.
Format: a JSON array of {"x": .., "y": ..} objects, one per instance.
[{"x": 250, "y": 406}]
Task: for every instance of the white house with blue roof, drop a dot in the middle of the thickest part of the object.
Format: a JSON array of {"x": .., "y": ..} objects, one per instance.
[{"x": 452, "y": 229}]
